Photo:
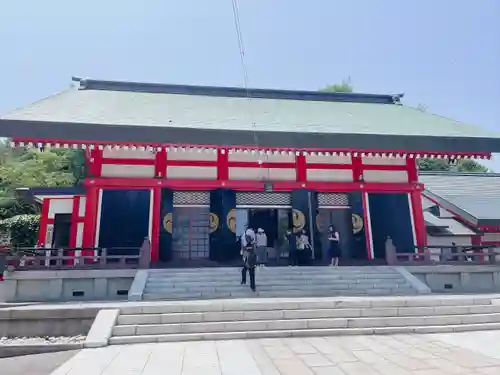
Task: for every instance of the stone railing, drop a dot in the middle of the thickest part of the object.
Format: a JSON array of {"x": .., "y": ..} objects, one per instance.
[
  {"x": 77, "y": 258},
  {"x": 431, "y": 255}
]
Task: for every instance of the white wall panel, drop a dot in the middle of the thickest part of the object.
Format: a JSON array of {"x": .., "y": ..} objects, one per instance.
[
  {"x": 248, "y": 173},
  {"x": 192, "y": 155},
  {"x": 329, "y": 175},
  {"x": 81, "y": 209},
  {"x": 385, "y": 176},
  {"x": 79, "y": 234},
  {"x": 328, "y": 159},
  {"x": 492, "y": 237},
  {"x": 282, "y": 174},
  {"x": 60, "y": 206},
  {"x": 200, "y": 173},
  {"x": 138, "y": 171},
  {"x": 249, "y": 157},
  {"x": 127, "y": 154},
  {"x": 370, "y": 160}
]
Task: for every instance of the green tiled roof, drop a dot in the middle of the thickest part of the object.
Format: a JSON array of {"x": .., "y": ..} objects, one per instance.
[{"x": 344, "y": 114}]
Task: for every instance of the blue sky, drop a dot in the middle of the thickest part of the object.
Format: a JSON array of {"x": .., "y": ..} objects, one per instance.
[{"x": 442, "y": 53}]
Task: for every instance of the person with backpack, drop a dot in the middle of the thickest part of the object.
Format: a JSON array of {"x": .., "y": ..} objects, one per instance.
[{"x": 246, "y": 239}]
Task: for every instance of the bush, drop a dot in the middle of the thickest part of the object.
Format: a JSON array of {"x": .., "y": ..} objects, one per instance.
[{"x": 23, "y": 229}]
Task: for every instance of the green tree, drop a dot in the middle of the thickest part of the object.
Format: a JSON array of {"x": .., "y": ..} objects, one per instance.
[
  {"x": 345, "y": 86},
  {"x": 444, "y": 165},
  {"x": 34, "y": 168}
]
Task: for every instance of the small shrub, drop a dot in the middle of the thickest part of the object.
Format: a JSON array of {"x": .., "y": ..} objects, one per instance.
[{"x": 23, "y": 229}]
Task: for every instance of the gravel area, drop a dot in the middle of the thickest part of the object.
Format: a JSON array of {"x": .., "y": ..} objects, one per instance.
[{"x": 42, "y": 340}]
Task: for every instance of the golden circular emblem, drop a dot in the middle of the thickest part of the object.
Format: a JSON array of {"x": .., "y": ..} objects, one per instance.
[
  {"x": 167, "y": 222},
  {"x": 231, "y": 220},
  {"x": 298, "y": 220},
  {"x": 357, "y": 223},
  {"x": 213, "y": 222}
]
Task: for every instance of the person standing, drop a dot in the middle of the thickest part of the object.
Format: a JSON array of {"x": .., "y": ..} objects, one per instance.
[
  {"x": 261, "y": 243},
  {"x": 303, "y": 247},
  {"x": 291, "y": 240},
  {"x": 333, "y": 246},
  {"x": 249, "y": 266},
  {"x": 246, "y": 239}
]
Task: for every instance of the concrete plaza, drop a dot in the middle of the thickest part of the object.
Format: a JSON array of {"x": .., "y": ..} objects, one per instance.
[{"x": 472, "y": 353}]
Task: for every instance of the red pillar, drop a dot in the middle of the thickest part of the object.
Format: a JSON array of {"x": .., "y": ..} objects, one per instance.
[
  {"x": 73, "y": 232},
  {"x": 301, "y": 168},
  {"x": 90, "y": 221},
  {"x": 411, "y": 167},
  {"x": 161, "y": 164},
  {"x": 155, "y": 228},
  {"x": 222, "y": 165},
  {"x": 95, "y": 162},
  {"x": 357, "y": 168},
  {"x": 44, "y": 219},
  {"x": 418, "y": 217}
]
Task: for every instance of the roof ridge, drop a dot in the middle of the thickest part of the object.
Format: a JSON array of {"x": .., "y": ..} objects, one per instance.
[
  {"x": 454, "y": 173},
  {"x": 261, "y": 93}
]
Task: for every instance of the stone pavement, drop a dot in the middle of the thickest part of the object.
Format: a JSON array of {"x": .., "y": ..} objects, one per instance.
[
  {"x": 35, "y": 364},
  {"x": 474, "y": 353}
]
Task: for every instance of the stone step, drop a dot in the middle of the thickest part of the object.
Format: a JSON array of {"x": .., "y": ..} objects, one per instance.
[
  {"x": 211, "y": 316},
  {"x": 300, "y": 324},
  {"x": 303, "y": 269},
  {"x": 272, "y": 273},
  {"x": 283, "y": 285},
  {"x": 264, "y": 304},
  {"x": 301, "y": 333},
  {"x": 238, "y": 287},
  {"x": 278, "y": 294}
]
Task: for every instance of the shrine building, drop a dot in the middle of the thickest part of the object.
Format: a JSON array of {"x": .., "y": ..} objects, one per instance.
[{"x": 190, "y": 167}]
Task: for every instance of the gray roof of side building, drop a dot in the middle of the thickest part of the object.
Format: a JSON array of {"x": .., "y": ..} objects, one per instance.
[
  {"x": 160, "y": 113},
  {"x": 473, "y": 196}
]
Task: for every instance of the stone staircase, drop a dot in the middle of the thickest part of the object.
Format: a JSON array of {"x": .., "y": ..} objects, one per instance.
[
  {"x": 212, "y": 283},
  {"x": 273, "y": 317}
]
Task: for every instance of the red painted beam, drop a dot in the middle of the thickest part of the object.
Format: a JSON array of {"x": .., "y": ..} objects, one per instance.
[
  {"x": 222, "y": 158},
  {"x": 451, "y": 212},
  {"x": 44, "y": 217},
  {"x": 246, "y": 185}
]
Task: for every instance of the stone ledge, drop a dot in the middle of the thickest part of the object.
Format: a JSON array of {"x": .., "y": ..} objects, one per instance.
[
  {"x": 138, "y": 285},
  {"x": 102, "y": 328},
  {"x": 26, "y": 349},
  {"x": 418, "y": 285}
]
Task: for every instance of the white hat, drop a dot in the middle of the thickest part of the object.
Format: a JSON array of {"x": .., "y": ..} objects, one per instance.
[{"x": 260, "y": 230}]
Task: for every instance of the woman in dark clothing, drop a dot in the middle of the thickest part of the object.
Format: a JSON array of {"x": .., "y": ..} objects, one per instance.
[{"x": 333, "y": 246}]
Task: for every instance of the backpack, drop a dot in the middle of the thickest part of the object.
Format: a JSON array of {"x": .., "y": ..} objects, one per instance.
[{"x": 249, "y": 240}]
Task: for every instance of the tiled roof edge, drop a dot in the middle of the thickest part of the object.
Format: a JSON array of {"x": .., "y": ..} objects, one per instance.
[
  {"x": 465, "y": 174},
  {"x": 238, "y": 92}
]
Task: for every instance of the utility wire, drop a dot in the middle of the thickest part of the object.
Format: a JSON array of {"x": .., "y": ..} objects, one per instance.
[{"x": 239, "y": 36}]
